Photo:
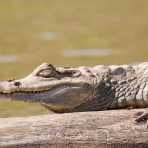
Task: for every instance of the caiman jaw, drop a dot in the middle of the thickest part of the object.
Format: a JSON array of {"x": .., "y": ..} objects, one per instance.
[{"x": 59, "y": 98}]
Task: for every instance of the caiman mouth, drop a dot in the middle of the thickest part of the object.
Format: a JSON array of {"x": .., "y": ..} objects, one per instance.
[
  {"x": 41, "y": 90},
  {"x": 61, "y": 96}
]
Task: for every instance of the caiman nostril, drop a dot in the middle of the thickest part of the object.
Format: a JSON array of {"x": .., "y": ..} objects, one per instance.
[{"x": 17, "y": 83}]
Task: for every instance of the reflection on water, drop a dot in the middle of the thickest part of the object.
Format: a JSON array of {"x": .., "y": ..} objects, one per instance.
[
  {"x": 8, "y": 58},
  {"x": 47, "y": 35},
  {"x": 87, "y": 52}
]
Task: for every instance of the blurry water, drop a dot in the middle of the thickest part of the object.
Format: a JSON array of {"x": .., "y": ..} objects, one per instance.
[
  {"x": 47, "y": 35},
  {"x": 8, "y": 58},
  {"x": 87, "y": 52}
]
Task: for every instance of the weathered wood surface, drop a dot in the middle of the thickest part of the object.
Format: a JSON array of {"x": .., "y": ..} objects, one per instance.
[{"x": 102, "y": 129}]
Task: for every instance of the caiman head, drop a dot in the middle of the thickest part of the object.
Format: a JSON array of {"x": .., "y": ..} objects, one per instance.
[{"x": 58, "y": 89}]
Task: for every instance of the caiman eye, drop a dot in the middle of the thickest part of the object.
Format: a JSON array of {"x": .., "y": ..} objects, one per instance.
[{"x": 47, "y": 72}]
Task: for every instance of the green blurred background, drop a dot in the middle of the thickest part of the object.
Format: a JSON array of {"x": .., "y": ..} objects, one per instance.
[{"x": 36, "y": 31}]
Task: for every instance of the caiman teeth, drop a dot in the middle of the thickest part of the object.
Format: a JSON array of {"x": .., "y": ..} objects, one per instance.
[{"x": 20, "y": 91}]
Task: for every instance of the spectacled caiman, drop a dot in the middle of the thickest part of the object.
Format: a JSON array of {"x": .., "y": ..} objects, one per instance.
[{"x": 82, "y": 89}]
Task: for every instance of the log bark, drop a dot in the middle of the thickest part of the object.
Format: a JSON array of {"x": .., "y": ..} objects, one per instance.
[{"x": 111, "y": 129}]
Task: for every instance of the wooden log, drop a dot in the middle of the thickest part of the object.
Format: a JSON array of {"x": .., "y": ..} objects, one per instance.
[{"x": 111, "y": 129}]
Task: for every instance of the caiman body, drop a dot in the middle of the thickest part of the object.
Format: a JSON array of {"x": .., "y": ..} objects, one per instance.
[{"x": 83, "y": 88}]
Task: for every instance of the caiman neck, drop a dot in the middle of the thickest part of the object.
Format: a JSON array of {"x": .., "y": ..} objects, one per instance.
[{"x": 129, "y": 92}]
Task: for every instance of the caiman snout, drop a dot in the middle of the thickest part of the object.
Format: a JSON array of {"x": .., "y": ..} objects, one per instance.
[{"x": 8, "y": 87}]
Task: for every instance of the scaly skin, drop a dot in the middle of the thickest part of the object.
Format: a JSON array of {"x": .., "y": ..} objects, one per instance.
[{"x": 83, "y": 88}]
